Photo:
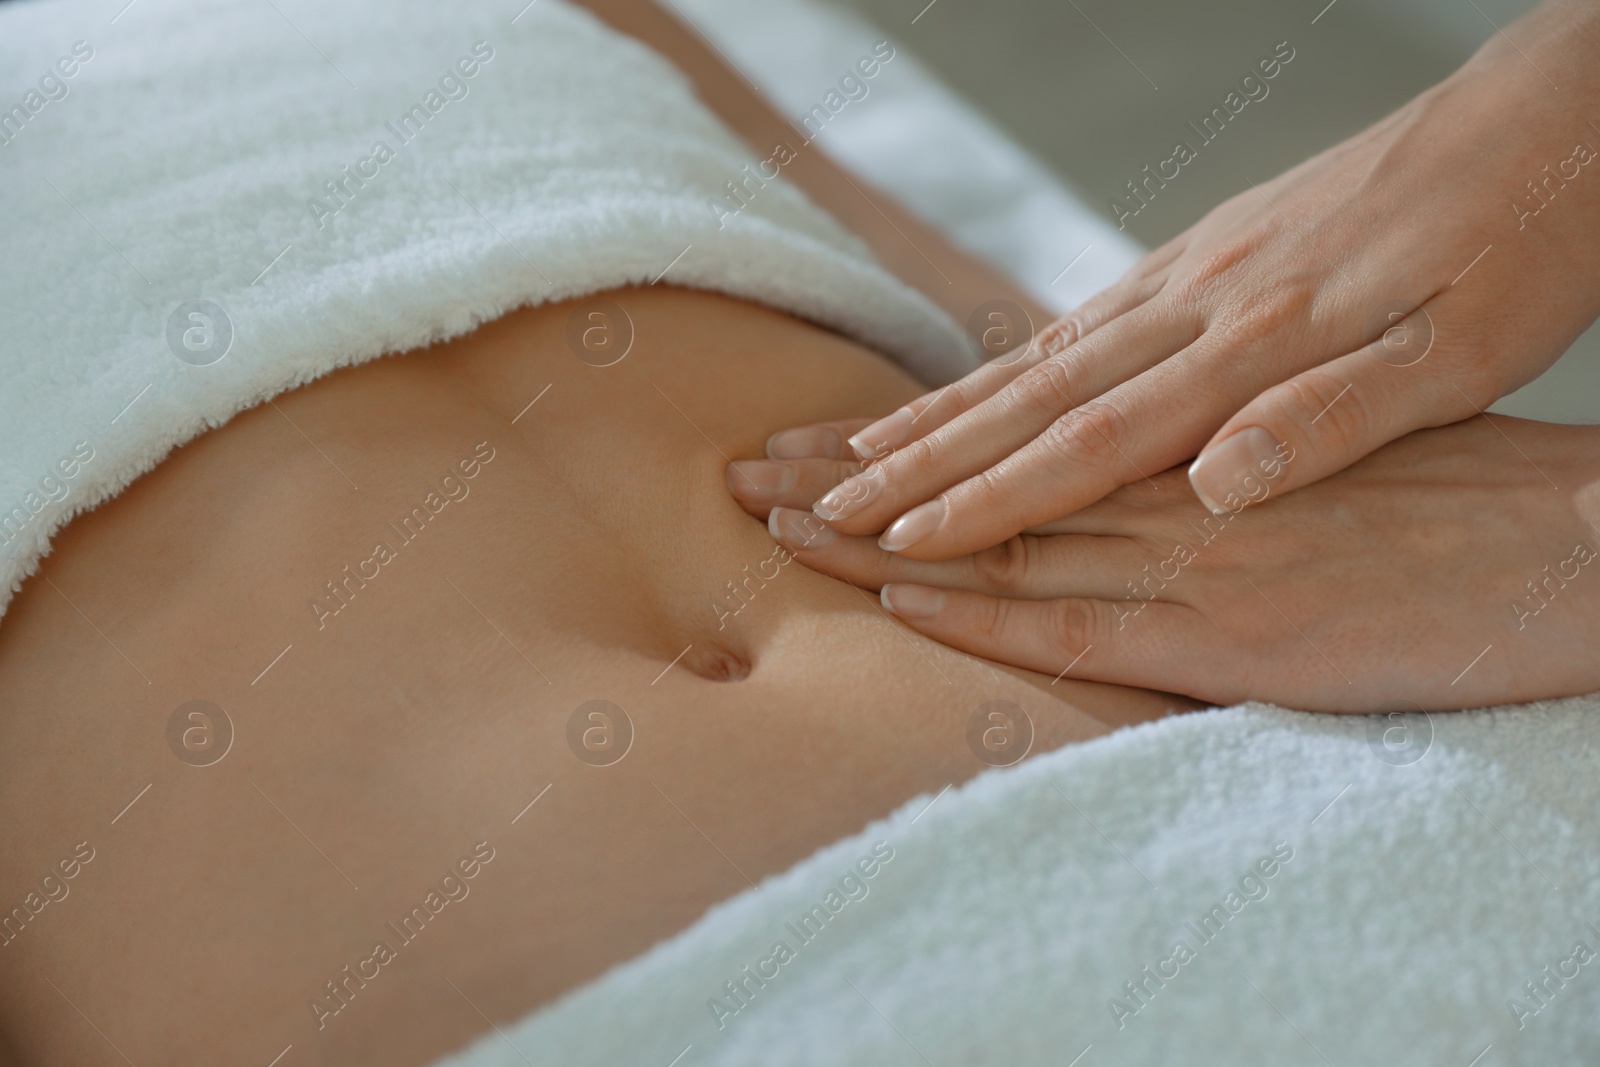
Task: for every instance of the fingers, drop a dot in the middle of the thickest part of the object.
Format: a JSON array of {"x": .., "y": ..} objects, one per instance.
[
  {"x": 802, "y": 464},
  {"x": 933, "y": 410},
  {"x": 1149, "y": 644},
  {"x": 759, "y": 485},
  {"x": 1123, "y": 438},
  {"x": 1026, "y": 567},
  {"x": 1010, "y": 420},
  {"x": 1149, "y": 508},
  {"x": 824, "y": 440},
  {"x": 1327, "y": 418}
]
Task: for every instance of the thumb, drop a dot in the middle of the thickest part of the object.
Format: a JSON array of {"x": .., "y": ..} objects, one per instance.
[{"x": 1323, "y": 420}]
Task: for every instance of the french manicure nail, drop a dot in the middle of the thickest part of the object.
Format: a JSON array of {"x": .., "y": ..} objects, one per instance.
[
  {"x": 796, "y": 530},
  {"x": 912, "y": 601},
  {"x": 883, "y": 436},
  {"x": 850, "y": 495},
  {"x": 1235, "y": 471},
  {"x": 913, "y": 526},
  {"x": 806, "y": 442},
  {"x": 756, "y": 479}
]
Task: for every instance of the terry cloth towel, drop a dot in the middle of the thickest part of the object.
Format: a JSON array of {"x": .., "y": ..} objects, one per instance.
[
  {"x": 906, "y": 132},
  {"x": 209, "y": 203},
  {"x": 1249, "y": 885}
]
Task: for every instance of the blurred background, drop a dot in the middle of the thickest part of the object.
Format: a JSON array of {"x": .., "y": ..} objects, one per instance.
[{"x": 1098, "y": 89}]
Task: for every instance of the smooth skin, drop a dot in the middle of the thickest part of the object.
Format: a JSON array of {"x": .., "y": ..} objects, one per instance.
[
  {"x": 1456, "y": 567},
  {"x": 1404, "y": 279},
  {"x": 595, "y": 557}
]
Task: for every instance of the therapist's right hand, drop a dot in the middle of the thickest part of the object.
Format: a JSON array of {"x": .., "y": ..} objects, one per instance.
[{"x": 1407, "y": 278}]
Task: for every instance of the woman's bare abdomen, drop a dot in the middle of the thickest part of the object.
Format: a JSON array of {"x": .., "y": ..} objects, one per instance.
[{"x": 403, "y": 585}]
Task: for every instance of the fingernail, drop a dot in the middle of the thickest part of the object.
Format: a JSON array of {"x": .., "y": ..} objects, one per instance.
[
  {"x": 806, "y": 442},
  {"x": 1234, "y": 471},
  {"x": 883, "y": 436},
  {"x": 850, "y": 495},
  {"x": 798, "y": 530},
  {"x": 912, "y": 601},
  {"x": 913, "y": 526},
  {"x": 756, "y": 479}
]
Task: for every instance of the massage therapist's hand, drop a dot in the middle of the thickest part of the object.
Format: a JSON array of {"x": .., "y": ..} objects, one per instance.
[
  {"x": 1457, "y": 567},
  {"x": 1344, "y": 304}
]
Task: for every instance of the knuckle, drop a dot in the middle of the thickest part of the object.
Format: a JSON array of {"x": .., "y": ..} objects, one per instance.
[
  {"x": 1219, "y": 268},
  {"x": 1061, "y": 334},
  {"x": 995, "y": 621},
  {"x": 992, "y": 494},
  {"x": 1045, "y": 388},
  {"x": 1003, "y": 568},
  {"x": 956, "y": 399},
  {"x": 925, "y": 453},
  {"x": 1336, "y": 412},
  {"x": 1285, "y": 312},
  {"x": 1071, "y": 625},
  {"x": 1090, "y": 435}
]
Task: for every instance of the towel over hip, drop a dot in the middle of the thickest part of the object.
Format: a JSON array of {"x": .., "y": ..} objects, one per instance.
[{"x": 210, "y": 206}]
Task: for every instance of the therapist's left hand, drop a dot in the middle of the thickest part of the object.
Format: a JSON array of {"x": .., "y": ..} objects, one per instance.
[{"x": 1455, "y": 568}]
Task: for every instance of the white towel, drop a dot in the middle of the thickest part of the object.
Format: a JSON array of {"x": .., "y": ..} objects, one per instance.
[
  {"x": 909, "y": 134},
  {"x": 1438, "y": 866},
  {"x": 1396, "y": 885},
  {"x": 1422, "y": 896},
  {"x": 181, "y": 151}
]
